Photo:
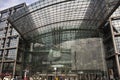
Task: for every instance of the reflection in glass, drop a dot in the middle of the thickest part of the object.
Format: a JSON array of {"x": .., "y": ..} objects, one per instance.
[
  {"x": 8, "y": 68},
  {"x": 69, "y": 56},
  {"x": 10, "y": 54}
]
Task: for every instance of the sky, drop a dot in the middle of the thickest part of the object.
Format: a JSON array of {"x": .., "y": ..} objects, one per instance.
[{"x": 4, "y": 4}]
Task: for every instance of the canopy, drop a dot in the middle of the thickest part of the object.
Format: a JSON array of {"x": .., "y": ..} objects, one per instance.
[{"x": 83, "y": 17}]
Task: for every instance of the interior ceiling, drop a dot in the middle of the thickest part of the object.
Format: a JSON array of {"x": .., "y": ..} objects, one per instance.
[{"x": 45, "y": 16}]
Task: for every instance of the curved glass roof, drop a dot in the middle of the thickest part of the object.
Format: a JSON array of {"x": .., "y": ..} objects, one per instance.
[
  {"x": 56, "y": 27},
  {"x": 46, "y": 16}
]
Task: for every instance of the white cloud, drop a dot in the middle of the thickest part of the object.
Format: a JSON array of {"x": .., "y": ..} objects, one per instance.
[{"x": 9, "y": 3}]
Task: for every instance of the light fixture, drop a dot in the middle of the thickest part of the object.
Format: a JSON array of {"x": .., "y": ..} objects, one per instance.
[{"x": 55, "y": 68}]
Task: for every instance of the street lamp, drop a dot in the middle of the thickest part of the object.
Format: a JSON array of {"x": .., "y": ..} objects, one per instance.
[
  {"x": 55, "y": 72},
  {"x": 55, "y": 68}
]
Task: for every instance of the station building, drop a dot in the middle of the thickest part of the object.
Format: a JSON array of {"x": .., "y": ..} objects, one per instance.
[{"x": 66, "y": 39}]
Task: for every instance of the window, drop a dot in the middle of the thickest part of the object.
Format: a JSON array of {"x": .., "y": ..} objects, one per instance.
[
  {"x": 5, "y": 15},
  {"x": 11, "y": 54}
]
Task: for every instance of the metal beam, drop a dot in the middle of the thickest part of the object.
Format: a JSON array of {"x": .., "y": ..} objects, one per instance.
[
  {"x": 41, "y": 8},
  {"x": 56, "y": 23},
  {"x": 62, "y": 30},
  {"x": 16, "y": 30},
  {"x": 105, "y": 20},
  {"x": 115, "y": 48},
  {"x": 115, "y": 18}
]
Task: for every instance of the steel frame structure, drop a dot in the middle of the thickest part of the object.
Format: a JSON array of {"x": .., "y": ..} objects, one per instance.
[{"x": 49, "y": 21}]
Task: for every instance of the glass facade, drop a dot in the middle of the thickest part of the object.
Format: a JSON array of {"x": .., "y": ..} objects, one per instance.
[
  {"x": 61, "y": 38},
  {"x": 46, "y": 15},
  {"x": 9, "y": 41},
  {"x": 111, "y": 43},
  {"x": 69, "y": 57}
]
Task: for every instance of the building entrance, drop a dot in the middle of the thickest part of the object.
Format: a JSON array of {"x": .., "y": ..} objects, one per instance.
[
  {"x": 81, "y": 76},
  {"x": 55, "y": 77}
]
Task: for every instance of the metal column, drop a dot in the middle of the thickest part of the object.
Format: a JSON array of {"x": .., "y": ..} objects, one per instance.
[{"x": 115, "y": 48}]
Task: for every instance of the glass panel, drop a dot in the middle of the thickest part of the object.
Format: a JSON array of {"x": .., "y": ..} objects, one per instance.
[
  {"x": 117, "y": 40},
  {"x": 1, "y": 54},
  {"x": 7, "y": 68},
  {"x": 49, "y": 14},
  {"x": 13, "y": 41},
  {"x": 112, "y": 68},
  {"x": 5, "y": 15},
  {"x": 116, "y": 13},
  {"x": 69, "y": 56},
  {"x": 19, "y": 70},
  {"x": 9, "y": 32},
  {"x": 116, "y": 25},
  {"x": 1, "y": 43},
  {"x": 20, "y": 56},
  {"x": 3, "y": 24},
  {"x": 10, "y": 54},
  {"x": 14, "y": 32}
]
